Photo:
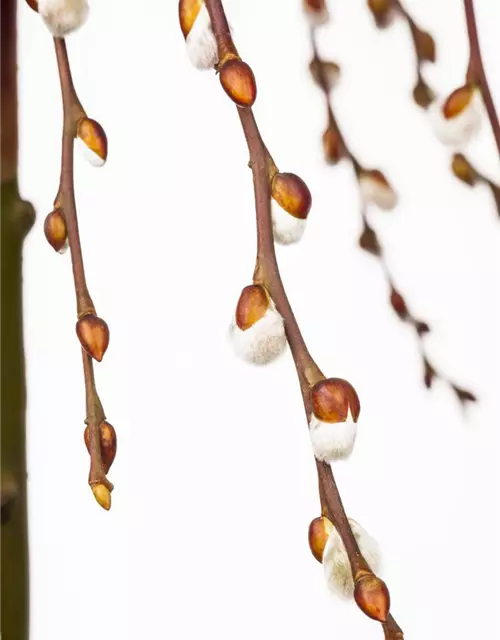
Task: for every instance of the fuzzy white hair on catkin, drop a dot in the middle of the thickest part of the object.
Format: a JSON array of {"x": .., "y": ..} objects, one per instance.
[
  {"x": 317, "y": 18},
  {"x": 372, "y": 191},
  {"x": 460, "y": 129},
  {"x": 201, "y": 45},
  {"x": 336, "y": 564},
  {"x": 89, "y": 155},
  {"x": 287, "y": 229},
  {"x": 62, "y": 17},
  {"x": 263, "y": 342},
  {"x": 332, "y": 441}
]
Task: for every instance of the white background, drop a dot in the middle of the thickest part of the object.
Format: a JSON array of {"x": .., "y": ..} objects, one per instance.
[{"x": 214, "y": 479}]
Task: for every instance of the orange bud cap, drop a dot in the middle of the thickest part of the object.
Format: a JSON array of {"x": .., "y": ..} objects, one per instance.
[
  {"x": 332, "y": 145},
  {"x": 93, "y": 334},
  {"x": 33, "y": 4},
  {"x": 238, "y": 82},
  {"x": 333, "y": 399},
  {"x": 55, "y": 231},
  {"x": 458, "y": 101},
  {"x": 292, "y": 194},
  {"x": 107, "y": 441},
  {"x": 91, "y": 133},
  {"x": 252, "y": 305},
  {"x": 372, "y": 596},
  {"x": 188, "y": 12},
  {"x": 381, "y": 11},
  {"x": 103, "y": 495},
  {"x": 319, "y": 532}
]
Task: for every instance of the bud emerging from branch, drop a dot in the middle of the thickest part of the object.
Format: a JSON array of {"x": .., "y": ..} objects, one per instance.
[
  {"x": 55, "y": 231},
  {"x": 382, "y": 11},
  {"x": 332, "y": 145},
  {"x": 336, "y": 564},
  {"x": 238, "y": 81},
  {"x": 369, "y": 241},
  {"x": 319, "y": 532},
  {"x": 423, "y": 94},
  {"x": 463, "y": 170},
  {"x": 324, "y": 71},
  {"x": 294, "y": 199},
  {"x": 92, "y": 140},
  {"x": 93, "y": 334},
  {"x": 107, "y": 441},
  {"x": 429, "y": 374},
  {"x": 103, "y": 495},
  {"x": 62, "y": 17},
  {"x": 399, "y": 305},
  {"x": 376, "y": 189},
  {"x": 197, "y": 30},
  {"x": 257, "y": 331},
  {"x": 456, "y": 120},
  {"x": 425, "y": 47},
  {"x": 316, "y": 12},
  {"x": 332, "y": 426},
  {"x": 33, "y": 4},
  {"x": 372, "y": 595}
]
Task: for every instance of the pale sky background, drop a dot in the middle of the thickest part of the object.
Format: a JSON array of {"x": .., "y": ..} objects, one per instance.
[{"x": 215, "y": 482}]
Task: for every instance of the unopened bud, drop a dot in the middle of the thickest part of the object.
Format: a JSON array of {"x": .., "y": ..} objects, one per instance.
[
  {"x": 458, "y": 101},
  {"x": 375, "y": 189},
  {"x": 421, "y": 327},
  {"x": 107, "y": 442},
  {"x": 316, "y": 12},
  {"x": 93, "y": 334},
  {"x": 103, "y": 495},
  {"x": 423, "y": 94},
  {"x": 463, "y": 395},
  {"x": 238, "y": 81},
  {"x": 332, "y": 145},
  {"x": 62, "y": 17},
  {"x": 93, "y": 141},
  {"x": 372, "y": 595},
  {"x": 325, "y": 73},
  {"x": 463, "y": 170},
  {"x": 425, "y": 46},
  {"x": 33, "y": 4},
  {"x": 319, "y": 532},
  {"x": 382, "y": 11},
  {"x": 292, "y": 194},
  {"x": 333, "y": 399},
  {"x": 369, "y": 241},
  {"x": 398, "y": 304},
  {"x": 55, "y": 231},
  {"x": 429, "y": 373},
  {"x": 458, "y": 118}
]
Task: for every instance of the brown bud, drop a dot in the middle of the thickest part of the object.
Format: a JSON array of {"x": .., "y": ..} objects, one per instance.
[
  {"x": 103, "y": 495},
  {"x": 463, "y": 395},
  {"x": 429, "y": 374},
  {"x": 325, "y": 73},
  {"x": 188, "y": 12},
  {"x": 107, "y": 441},
  {"x": 372, "y": 595},
  {"x": 398, "y": 304},
  {"x": 332, "y": 145},
  {"x": 421, "y": 327},
  {"x": 423, "y": 94},
  {"x": 33, "y": 4},
  {"x": 458, "y": 100},
  {"x": 94, "y": 137},
  {"x": 238, "y": 82},
  {"x": 319, "y": 532},
  {"x": 252, "y": 305},
  {"x": 315, "y": 7},
  {"x": 292, "y": 194},
  {"x": 382, "y": 11},
  {"x": 463, "y": 170},
  {"x": 55, "y": 231},
  {"x": 425, "y": 46},
  {"x": 333, "y": 399},
  {"x": 93, "y": 334},
  {"x": 369, "y": 241}
]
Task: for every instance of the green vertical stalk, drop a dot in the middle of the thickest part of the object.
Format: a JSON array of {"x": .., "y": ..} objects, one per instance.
[{"x": 17, "y": 217}]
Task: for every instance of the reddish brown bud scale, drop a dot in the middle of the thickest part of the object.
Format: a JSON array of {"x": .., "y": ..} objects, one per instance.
[
  {"x": 332, "y": 145},
  {"x": 252, "y": 305},
  {"x": 381, "y": 11},
  {"x": 292, "y": 194},
  {"x": 93, "y": 334},
  {"x": 55, "y": 230},
  {"x": 423, "y": 94},
  {"x": 315, "y": 5},
  {"x": 333, "y": 399},
  {"x": 107, "y": 441},
  {"x": 458, "y": 100},
  {"x": 463, "y": 170},
  {"x": 94, "y": 137},
  {"x": 188, "y": 12},
  {"x": 424, "y": 45},
  {"x": 324, "y": 72},
  {"x": 398, "y": 304},
  {"x": 369, "y": 241},
  {"x": 429, "y": 374},
  {"x": 319, "y": 532},
  {"x": 372, "y": 596},
  {"x": 33, "y": 4},
  {"x": 238, "y": 81}
]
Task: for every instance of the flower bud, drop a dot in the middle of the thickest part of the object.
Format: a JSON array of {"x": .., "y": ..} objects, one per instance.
[
  {"x": 196, "y": 27},
  {"x": 33, "y": 4},
  {"x": 319, "y": 532},
  {"x": 421, "y": 327},
  {"x": 382, "y": 11},
  {"x": 376, "y": 189},
  {"x": 107, "y": 441},
  {"x": 257, "y": 331},
  {"x": 399, "y": 305},
  {"x": 332, "y": 426},
  {"x": 238, "y": 81},
  {"x": 369, "y": 241},
  {"x": 332, "y": 145},
  {"x": 294, "y": 199},
  {"x": 336, "y": 565},
  {"x": 429, "y": 374},
  {"x": 456, "y": 120},
  {"x": 325, "y": 73},
  {"x": 55, "y": 231},
  {"x": 93, "y": 334},
  {"x": 463, "y": 395},
  {"x": 463, "y": 170},
  {"x": 62, "y": 17},
  {"x": 93, "y": 141},
  {"x": 103, "y": 495},
  {"x": 425, "y": 46},
  {"x": 423, "y": 94},
  {"x": 316, "y": 12},
  {"x": 372, "y": 595}
]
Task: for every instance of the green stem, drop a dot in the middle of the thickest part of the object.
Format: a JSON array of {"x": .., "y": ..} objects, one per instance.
[{"x": 16, "y": 220}]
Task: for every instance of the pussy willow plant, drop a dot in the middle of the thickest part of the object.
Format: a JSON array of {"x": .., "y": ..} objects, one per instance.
[
  {"x": 456, "y": 118},
  {"x": 63, "y": 17},
  {"x": 264, "y": 323},
  {"x": 374, "y": 189}
]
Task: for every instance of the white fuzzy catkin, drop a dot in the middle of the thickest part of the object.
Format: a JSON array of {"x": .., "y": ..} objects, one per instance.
[
  {"x": 459, "y": 129},
  {"x": 375, "y": 192},
  {"x": 332, "y": 441},
  {"x": 89, "y": 155},
  {"x": 287, "y": 229},
  {"x": 62, "y": 17},
  {"x": 336, "y": 564},
  {"x": 200, "y": 43},
  {"x": 264, "y": 341}
]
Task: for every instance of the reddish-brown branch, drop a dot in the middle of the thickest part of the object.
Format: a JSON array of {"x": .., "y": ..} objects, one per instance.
[{"x": 476, "y": 73}]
